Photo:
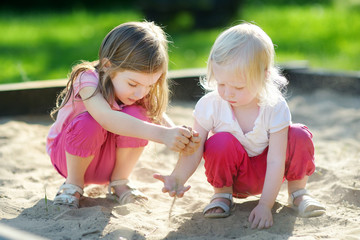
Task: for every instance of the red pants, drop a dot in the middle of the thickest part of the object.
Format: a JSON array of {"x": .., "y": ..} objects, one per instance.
[
  {"x": 228, "y": 164},
  {"x": 83, "y": 137}
]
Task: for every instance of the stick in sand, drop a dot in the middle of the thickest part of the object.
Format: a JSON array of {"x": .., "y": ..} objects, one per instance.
[
  {"x": 176, "y": 186},
  {"x": 173, "y": 202}
]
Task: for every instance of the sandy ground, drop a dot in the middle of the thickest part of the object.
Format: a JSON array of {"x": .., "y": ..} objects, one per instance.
[{"x": 28, "y": 184}]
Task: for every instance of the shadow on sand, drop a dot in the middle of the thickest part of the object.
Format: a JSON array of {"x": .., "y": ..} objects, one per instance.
[
  {"x": 87, "y": 222},
  {"x": 235, "y": 226}
]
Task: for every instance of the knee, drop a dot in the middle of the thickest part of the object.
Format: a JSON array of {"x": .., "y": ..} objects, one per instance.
[
  {"x": 300, "y": 131},
  {"x": 300, "y": 135},
  {"x": 136, "y": 111},
  {"x": 219, "y": 143},
  {"x": 223, "y": 153}
]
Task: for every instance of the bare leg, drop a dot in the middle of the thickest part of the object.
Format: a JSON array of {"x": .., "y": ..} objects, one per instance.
[
  {"x": 76, "y": 167},
  {"x": 297, "y": 185},
  {"x": 126, "y": 159},
  {"x": 227, "y": 201}
]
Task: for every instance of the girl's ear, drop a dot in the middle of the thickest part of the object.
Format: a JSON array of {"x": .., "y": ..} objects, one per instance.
[{"x": 106, "y": 62}]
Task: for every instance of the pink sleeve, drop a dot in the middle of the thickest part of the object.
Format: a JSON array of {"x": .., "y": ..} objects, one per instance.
[{"x": 85, "y": 79}]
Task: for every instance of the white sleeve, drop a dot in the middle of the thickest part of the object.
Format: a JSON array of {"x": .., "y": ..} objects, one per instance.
[
  {"x": 280, "y": 117},
  {"x": 204, "y": 112}
]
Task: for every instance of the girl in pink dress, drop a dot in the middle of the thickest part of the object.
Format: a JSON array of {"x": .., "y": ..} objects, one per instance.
[{"x": 109, "y": 110}]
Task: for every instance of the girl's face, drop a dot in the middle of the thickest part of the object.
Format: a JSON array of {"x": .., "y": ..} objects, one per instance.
[
  {"x": 233, "y": 88},
  {"x": 132, "y": 86}
]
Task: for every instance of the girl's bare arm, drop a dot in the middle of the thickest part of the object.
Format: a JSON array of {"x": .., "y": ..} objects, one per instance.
[
  {"x": 184, "y": 168},
  {"x": 123, "y": 124},
  {"x": 275, "y": 167}
]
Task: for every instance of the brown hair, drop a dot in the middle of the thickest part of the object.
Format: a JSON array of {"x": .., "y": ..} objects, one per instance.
[{"x": 134, "y": 46}]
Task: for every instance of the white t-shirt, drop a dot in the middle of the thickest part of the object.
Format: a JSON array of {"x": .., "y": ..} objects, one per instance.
[{"x": 216, "y": 115}]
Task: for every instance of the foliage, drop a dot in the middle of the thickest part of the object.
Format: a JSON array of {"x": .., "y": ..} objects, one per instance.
[
  {"x": 326, "y": 36},
  {"x": 44, "y": 44}
]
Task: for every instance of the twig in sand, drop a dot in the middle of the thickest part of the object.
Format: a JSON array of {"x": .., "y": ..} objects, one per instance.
[
  {"x": 176, "y": 185},
  {"x": 46, "y": 200},
  {"x": 173, "y": 202}
]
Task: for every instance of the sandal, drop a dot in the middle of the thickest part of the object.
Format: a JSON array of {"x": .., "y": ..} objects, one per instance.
[
  {"x": 219, "y": 204},
  {"x": 308, "y": 207},
  {"x": 128, "y": 196},
  {"x": 65, "y": 195}
]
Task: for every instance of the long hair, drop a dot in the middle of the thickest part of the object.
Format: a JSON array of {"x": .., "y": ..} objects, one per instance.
[
  {"x": 134, "y": 46},
  {"x": 249, "y": 51}
]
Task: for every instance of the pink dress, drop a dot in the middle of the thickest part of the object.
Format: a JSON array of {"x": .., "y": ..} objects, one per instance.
[{"x": 75, "y": 131}]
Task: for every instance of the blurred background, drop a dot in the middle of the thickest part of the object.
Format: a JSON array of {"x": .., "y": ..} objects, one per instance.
[{"x": 42, "y": 40}]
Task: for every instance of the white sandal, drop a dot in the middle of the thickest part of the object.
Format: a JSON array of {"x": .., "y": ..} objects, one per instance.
[
  {"x": 128, "y": 196},
  {"x": 65, "y": 195},
  {"x": 308, "y": 207},
  {"x": 219, "y": 204}
]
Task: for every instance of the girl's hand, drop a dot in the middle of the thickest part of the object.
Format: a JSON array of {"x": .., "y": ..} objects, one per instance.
[
  {"x": 177, "y": 138},
  {"x": 171, "y": 186},
  {"x": 193, "y": 145},
  {"x": 261, "y": 217}
]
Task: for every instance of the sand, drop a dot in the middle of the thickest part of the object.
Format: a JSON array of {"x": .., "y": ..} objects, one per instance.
[{"x": 28, "y": 184}]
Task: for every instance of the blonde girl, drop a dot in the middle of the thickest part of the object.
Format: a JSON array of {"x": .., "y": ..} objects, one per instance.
[
  {"x": 109, "y": 110},
  {"x": 247, "y": 139}
]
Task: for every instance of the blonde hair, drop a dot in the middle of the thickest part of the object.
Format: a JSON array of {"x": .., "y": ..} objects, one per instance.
[
  {"x": 249, "y": 51},
  {"x": 134, "y": 46}
]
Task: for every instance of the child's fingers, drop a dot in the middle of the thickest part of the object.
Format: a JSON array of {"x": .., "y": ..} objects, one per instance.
[
  {"x": 186, "y": 132},
  {"x": 189, "y": 128},
  {"x": 262, "y": 224},
  {"x": 251, "y": 217},
  {"x": 172, "y": 193},
  {"x": 191, "y": 147},
  {"x": 180, "y": 195},
  {"x": 192, "y": 144},
  {"x": 162, "y": 178},
  {"x": 268, "y": 224},
  {"x": 184, "y": 140},
  {"x": 182, "y": 192},
  {"x": 159, "y": 177},
  {"x": 255, "y": 222},
  {"x": 195, "y": 138},
  {"x": 180, "y": 145}
]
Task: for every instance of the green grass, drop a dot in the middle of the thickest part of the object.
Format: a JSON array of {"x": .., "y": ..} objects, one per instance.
[
  {"x": 44, "y": 45},
  {"x": 326, "y": 36},
  {"x": 41, "y": 46},
  {"x": 191, "y": 50}
]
